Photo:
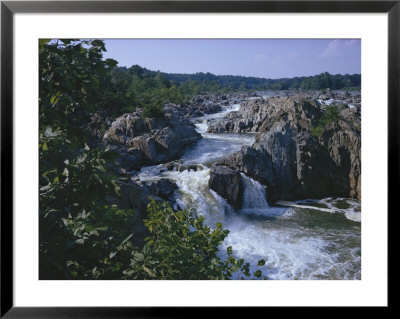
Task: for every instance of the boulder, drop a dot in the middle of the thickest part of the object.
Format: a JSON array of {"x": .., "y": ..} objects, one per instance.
[
  {"x": 227, "y": 183},
  {"x": 211, "y": 108},
  {"x": 151, "y": 140},
  {"x": 163, "y": 188}
]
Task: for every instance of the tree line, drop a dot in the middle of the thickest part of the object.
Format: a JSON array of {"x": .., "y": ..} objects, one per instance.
[
  {"x": 227, "y": 83},
  {"x": 124, "y": 89}
]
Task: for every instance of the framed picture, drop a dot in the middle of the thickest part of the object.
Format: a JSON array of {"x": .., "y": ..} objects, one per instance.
[{"x": 326, "y": 76}]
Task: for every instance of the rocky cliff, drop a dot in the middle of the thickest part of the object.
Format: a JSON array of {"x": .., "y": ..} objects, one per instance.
[{"x": 290, "y": 158}]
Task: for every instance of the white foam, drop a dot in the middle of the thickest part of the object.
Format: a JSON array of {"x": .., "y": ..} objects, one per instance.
[
  {"x": 254, "y": 199},
  {"x": 202, "y": 127},
  {"x": 291, "y": 253},
  {"x": 352, "y": 213},
  {"x": 195, "y": 194}
]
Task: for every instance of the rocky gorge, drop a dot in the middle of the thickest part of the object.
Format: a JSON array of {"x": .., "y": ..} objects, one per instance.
[
  {"x": 279, "y": 146},
  {"x": 287, "y": 156}
]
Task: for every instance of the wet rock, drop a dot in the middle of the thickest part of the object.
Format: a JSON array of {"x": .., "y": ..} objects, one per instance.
[
  {"x": 212, "y": 108},
  {"x": 227, "y": 183},
  {"x": 163, "y": 188}
]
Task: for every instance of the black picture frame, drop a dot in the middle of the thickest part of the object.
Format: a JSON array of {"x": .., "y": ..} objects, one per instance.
[{"x": 9, "y": 8}]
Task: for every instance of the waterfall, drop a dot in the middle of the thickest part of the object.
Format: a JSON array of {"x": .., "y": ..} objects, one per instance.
[
  {"x": 287, "y": 238},
  {"x": 202, "y": 127},
  {"x": 254, "y": 199}
]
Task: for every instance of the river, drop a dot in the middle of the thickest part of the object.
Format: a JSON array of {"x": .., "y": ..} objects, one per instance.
[{"x": 314, "y": 239}]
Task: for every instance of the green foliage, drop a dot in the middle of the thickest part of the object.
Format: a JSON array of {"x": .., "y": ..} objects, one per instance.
[
  {"x": 181, "y": 246},
  {"x": 332, "y": 113},
  {"x": 138, "y": 85},
  {"x": 77, "y": 227},
  {"x": 154, "y": 108},
  {"x": 207, "y": 82}
]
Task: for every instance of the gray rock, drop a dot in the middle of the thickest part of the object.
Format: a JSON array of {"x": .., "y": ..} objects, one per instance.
[
  {"x": 227, "y": 183},
  {"x": 295, "y": 164},
  {"x": 343, "y": 142},
  {"x": 254, "y": 114},
  {"x": 163, "y": 188},
  {"x": 150, "y": 141}
]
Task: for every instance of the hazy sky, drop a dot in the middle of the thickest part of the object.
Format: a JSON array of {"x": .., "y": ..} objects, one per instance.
[{"x": 259, "y": 58}]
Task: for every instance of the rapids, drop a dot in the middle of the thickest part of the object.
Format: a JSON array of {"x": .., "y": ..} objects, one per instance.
[{"x": 312, "y": 239}]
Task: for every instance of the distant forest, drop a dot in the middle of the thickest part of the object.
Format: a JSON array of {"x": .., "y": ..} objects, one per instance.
[
  {"x": 199, "y": 83},
  {"x": 232, "y": 82},
  {"x": 124, "y": 89}
]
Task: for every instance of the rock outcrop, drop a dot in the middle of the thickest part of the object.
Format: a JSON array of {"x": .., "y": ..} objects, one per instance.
[
  {"x": 343, "y": 142},
  {"x": 149, "y": 141},
  {"x": 227, "y": 183},
  {"x": 163, "y": 188},
  {"x": 294, "y": 163},
  {"x": 253, "y": 113}
]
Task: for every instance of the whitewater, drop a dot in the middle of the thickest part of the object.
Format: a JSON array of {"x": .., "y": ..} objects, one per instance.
[{"x": 309, "y": 239}]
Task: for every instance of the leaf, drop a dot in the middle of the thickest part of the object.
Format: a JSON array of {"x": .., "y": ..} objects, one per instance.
[
  {"x": 126, "y": 239},
  {"x": 112, "y": 254},
  {"x": 149, "y": 271},
  {"x": 138, "y": 256},
  {"x": 261, "y": 262},
  {"x": 54, "y": 99},
  {"x": 111, "y": 62},
  {"x": 80, "y": 241},
  {"x": 99, "y": 43},
  {"x": 128, "y": 272},
  {"x": 94, "y": 232}
]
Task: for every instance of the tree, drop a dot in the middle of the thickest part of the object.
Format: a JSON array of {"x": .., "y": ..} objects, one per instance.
[
  {"x": 154, "y": 108},
  {"x": 181, "y": 246},
  {"x": 74, "y": 216}
]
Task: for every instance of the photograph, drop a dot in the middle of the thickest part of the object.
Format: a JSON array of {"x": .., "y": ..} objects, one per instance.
[{"x": 199, "y": 159}]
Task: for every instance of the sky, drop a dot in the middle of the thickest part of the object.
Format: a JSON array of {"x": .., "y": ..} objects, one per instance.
[{"x": 266, "y": 58}]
